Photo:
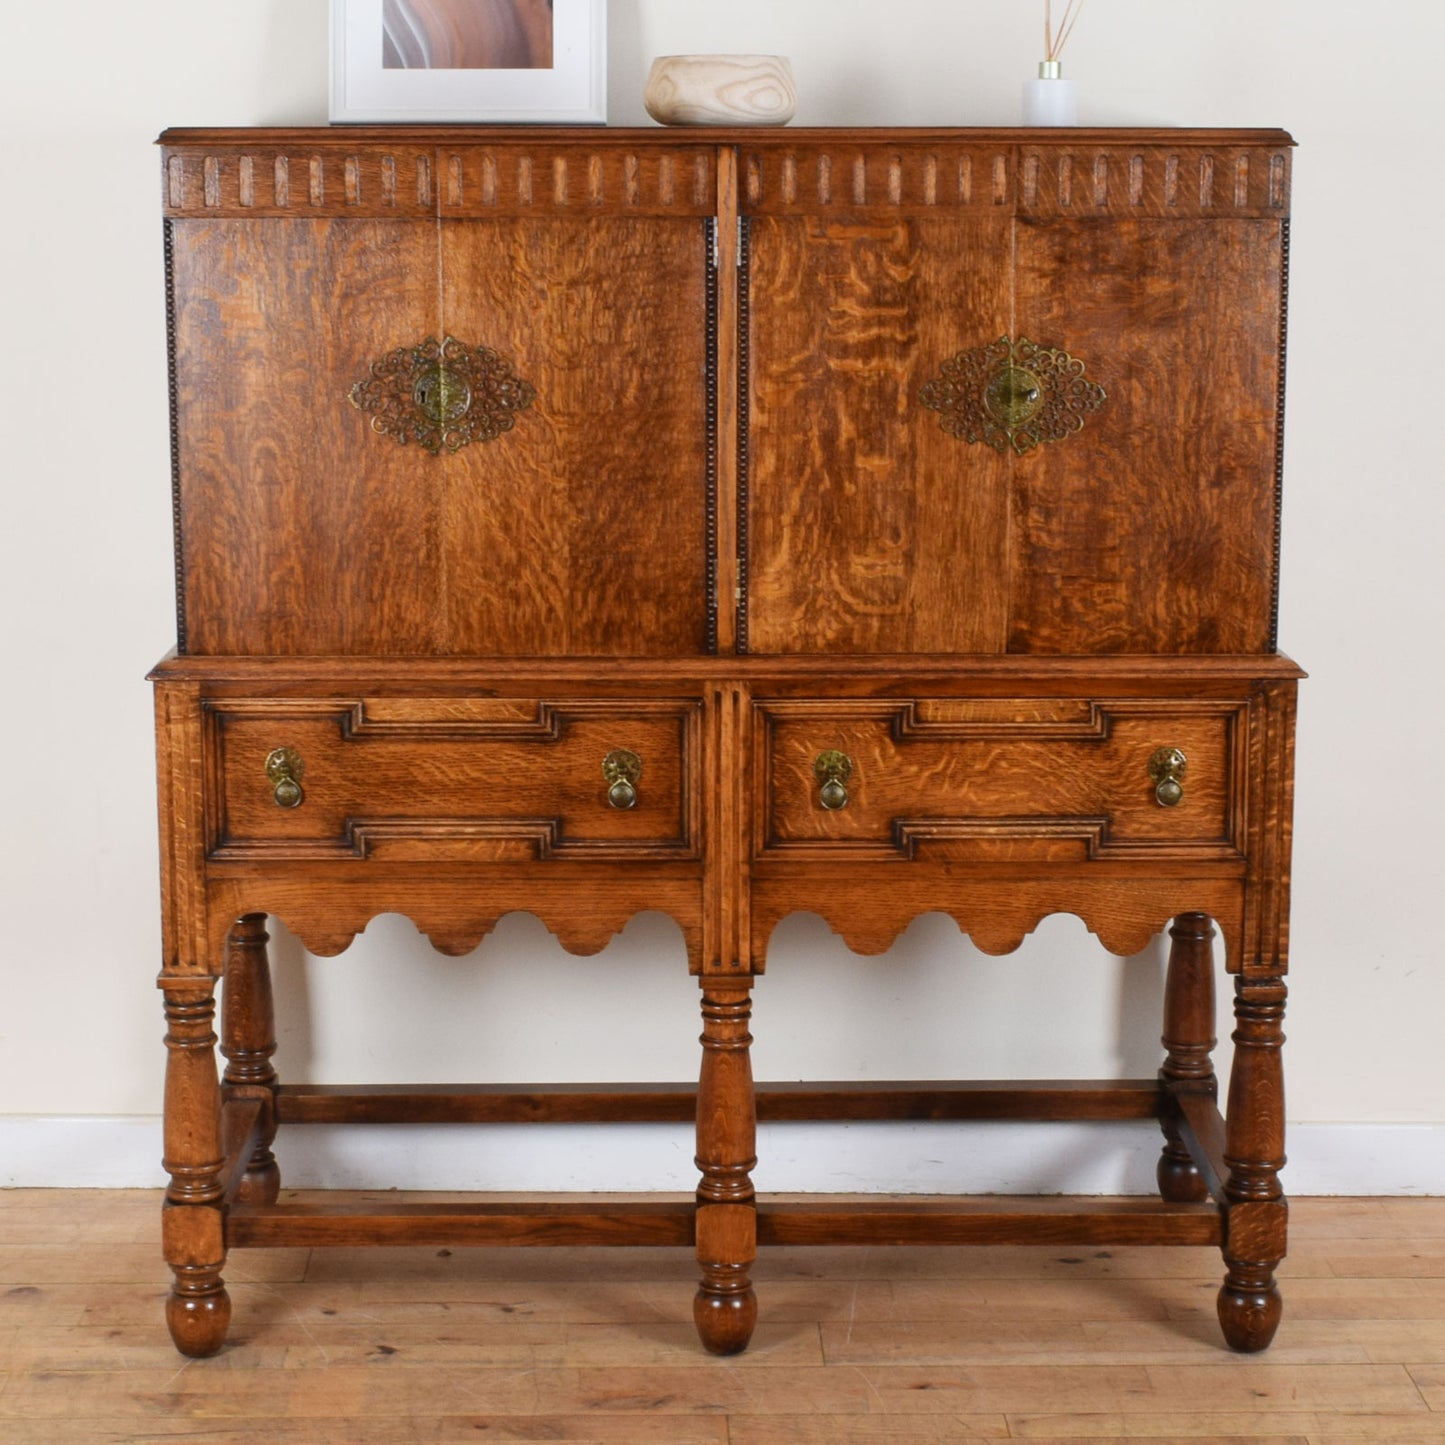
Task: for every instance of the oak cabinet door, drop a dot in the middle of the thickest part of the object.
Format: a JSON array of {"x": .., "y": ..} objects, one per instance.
[
  {"x": 869, "y": 528},
  {"x": 451, "y": 401},
  {"x": 1152, "y": 529},
  {"x": 302, "y": 530},
  {"x": 993, "y": 404},
  {"x": 584, "y": 530}
]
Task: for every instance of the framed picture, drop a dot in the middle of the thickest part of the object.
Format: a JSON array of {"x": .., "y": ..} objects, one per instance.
[{"x": 481, "y": 61}]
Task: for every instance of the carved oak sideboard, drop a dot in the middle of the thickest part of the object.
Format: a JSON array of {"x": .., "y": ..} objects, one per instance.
[{"x": 726, "y": 523}]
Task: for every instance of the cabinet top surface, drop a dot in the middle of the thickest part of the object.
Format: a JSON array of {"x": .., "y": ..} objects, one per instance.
[
  {"x": 908, "y": 671},
  {"x": 343, "y": 136}
]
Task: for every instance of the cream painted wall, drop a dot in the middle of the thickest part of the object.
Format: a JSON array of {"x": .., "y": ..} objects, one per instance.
[{"x": 85, "y": 573}]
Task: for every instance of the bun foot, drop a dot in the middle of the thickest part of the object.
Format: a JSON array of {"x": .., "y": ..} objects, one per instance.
[
  {"x": 198, "y": 1318},
  {"x": 260, "y": 1186},
  {"x": 1179, "y": 1181},
  {"x": 725, "y": 1322},
  {"x": 1249, "y": 1315}
]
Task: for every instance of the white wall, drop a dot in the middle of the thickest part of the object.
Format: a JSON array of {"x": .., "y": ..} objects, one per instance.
[{"x": 87, "y": 600}]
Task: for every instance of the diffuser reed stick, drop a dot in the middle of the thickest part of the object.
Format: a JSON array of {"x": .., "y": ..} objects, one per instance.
[{"x": 1054, "y": 41}]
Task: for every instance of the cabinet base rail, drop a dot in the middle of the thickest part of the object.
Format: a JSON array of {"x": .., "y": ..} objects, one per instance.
[
  {"x": 318, "y": 1219},
  {"x": 852, "y": 1101},
  {"x": 312, "y": 1220}
]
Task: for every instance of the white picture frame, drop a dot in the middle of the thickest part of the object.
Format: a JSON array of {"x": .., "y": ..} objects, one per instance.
[{"x": 572, "y": 92}]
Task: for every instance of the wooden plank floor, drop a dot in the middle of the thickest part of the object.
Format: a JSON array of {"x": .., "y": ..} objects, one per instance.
[{"x": 874, "y": 1346}]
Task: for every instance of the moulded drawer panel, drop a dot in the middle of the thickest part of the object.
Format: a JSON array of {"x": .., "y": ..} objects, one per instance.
[
  {"x": 1037, "y": 780},
  {"x": 493, "y": 780}
]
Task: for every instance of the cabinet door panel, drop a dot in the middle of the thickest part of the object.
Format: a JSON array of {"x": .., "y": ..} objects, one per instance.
[
  {"x": 303, "y": 531},
  {"x": 584, "y": 529},
  {"x": 870, "y": 528},
  {"x": 1152, "y": 529}
]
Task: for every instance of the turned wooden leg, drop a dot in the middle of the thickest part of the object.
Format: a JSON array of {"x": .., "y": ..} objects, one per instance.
[
  {"x": 248, "y": 1040},
  {"x": 726, "y": 1309},
  {"x": 192, "y": 1225},
  {"x": 1249, "y": 1302},
  {"x": 1188, "y": 1043}
]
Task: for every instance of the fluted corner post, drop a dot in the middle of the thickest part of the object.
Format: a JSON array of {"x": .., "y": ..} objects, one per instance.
[
  {"x": 1188, "y": 1048},
  {"x": 248, "y": 1040},
  {"x": 198, "y": 1311},
  {"x": 1257, "y": 1216},
  {"x": 726, "y": 1309}
]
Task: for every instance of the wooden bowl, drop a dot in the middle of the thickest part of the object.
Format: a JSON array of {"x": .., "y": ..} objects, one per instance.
[{"x": 720, "y": 90}]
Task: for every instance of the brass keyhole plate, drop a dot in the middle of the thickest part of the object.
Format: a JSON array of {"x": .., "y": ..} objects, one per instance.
[
  {"x": 443, "y": 395},
  {"x": 1012, "y": 395}
]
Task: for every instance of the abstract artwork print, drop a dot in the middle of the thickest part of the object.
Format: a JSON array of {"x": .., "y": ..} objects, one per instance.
[{"x": 466, "y": 34}]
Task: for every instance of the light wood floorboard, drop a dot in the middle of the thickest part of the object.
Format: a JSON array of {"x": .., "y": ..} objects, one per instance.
[{"x": 873, "y": 1346}]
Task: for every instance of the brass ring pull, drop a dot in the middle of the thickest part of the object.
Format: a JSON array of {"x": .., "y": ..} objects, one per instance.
[
  {"x": 832, "y": 770},
  {"x": 285, "y": 767},
  {"x": 1166, "y": 771},
  {"x": 622, "y": 769}
]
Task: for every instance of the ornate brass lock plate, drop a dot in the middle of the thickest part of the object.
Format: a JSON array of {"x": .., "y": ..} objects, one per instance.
[
  {"x": 442, "y": 395},
  {"x": 1012, "y": 394}
]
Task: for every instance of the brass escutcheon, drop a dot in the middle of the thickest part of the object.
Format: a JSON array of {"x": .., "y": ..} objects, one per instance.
[
  {"x": 832, "y": 770},
  {"x": 285, "y": 767},
  {"x": 1012, "y": 395},
  {"x": 1166, "y": 770},
  {"x": 443, "y": 395},
  {"x": 622, "y": 769}
]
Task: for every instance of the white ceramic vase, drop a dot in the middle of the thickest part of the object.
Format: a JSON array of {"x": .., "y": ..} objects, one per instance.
[
  {"x": 1050, "y": 99},
  {"x": 720, "y": 90}
]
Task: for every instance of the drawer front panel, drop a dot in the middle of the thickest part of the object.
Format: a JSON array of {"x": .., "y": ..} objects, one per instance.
[
  {"x": 1029, "y": 780},
  {"x": 452, "y": 779}
]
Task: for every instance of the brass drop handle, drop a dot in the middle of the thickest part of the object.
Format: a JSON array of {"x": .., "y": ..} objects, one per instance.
[
  {"x": 622, "y": 769},
  {"x": 832, "y": 770},
  {"x": 1166, "y": 770},
  {"x": 285, "y": 767}
]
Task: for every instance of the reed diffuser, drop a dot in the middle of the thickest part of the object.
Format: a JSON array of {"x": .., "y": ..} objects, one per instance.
[{"x": 1050, "y": 100}]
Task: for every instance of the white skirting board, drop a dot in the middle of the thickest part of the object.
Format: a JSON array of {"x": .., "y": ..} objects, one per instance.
[{"x": 1003, "y": 1158}]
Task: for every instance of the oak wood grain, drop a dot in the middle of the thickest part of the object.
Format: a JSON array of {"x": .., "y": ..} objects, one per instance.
[
  {"x": 1151, "y": 530},
  {"x": 583, "y": 531},
  {"x": 428, "y": 784},
  {"x": 275, "y": 322},
  {"x": 870, "y": 529},
  {"x": 990, "y": 790}
]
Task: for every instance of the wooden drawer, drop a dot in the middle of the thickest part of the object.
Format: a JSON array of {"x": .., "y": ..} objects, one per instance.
[
  {"x": 464, "y": 779},
  {"x": 999, "y": 780}
]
